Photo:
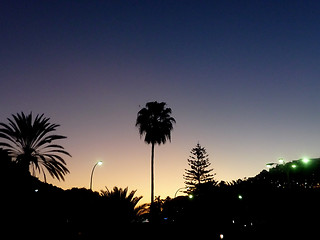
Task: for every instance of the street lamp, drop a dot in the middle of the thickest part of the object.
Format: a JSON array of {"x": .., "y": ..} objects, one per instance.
[
  {"x": 305, "y": 160},
  {"x": 269, "y": 165},
  {"x": 175, "y": 195},
  {"x": 97, "y": 163},
  {"x": 281, "y": 161}
]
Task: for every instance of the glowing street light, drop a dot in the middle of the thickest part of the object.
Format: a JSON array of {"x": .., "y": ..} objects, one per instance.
[
  {"x": 269, "y": 165},
  {"x": 305, "y": 160},
  {"x": 98, "y": 163},
  {"x": 293, "y": 165}
]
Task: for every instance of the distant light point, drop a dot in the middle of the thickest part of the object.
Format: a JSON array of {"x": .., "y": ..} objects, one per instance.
[{"x": 305, "y": 160}]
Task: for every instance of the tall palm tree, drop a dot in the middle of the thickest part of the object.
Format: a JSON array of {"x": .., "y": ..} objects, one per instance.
[
  {"x": 29, "y": 144},
  {"x": 155, "y": 124}
]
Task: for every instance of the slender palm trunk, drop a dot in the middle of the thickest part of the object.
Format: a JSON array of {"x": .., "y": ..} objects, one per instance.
[
  {"x": 152, "y": 173},
  {"x": 152, "y": 211}
]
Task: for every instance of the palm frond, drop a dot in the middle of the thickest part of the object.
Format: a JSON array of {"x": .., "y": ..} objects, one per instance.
[{"x": 29, "y": 142}]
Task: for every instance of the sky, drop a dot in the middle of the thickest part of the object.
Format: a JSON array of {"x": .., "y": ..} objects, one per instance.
[{"x": 241, "y": 78}]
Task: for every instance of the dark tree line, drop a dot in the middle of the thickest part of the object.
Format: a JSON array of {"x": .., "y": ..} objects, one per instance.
[
  {"x": 42, "y": 208},
  {"x": 287, "y": 196}
]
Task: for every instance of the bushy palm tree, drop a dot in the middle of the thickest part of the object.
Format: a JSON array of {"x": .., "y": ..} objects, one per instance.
[
  {"x": 119, "y": 194},
  {"x": 122, "y": 206},
  {"x": 155, "y": 124},
  {"x": 29, "y": 143}
]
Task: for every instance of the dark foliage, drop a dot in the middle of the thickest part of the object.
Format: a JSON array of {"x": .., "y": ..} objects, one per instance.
[
  {"x": 123, "y": 206},
  {"x": 282, "y": 203},
  {"x": 199, "y": 172},
  {"x": 155, "y": 123},
  {"x": 267, "y": 206},
  {"x": 29, "y": 143}
]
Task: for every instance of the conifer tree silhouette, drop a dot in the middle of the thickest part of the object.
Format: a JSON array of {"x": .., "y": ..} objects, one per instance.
[{"x": 199, "y": 172}]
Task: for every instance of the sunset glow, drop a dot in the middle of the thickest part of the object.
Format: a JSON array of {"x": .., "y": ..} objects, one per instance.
[{"x": 241, "y": 79}]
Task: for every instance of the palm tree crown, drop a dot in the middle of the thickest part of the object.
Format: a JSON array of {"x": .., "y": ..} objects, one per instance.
[
  {"x": 119, "y": 194},
  {"x": 154, "y": 121},
  {"x": 29, "y": 144},
  {"x": 123, "y": 205}
]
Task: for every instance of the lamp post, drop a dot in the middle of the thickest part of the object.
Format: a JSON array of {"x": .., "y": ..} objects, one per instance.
[
  {"x": 190, "y": 196},
  {"x": 175, "y": 195},
  {"x": 97, "y": 163},
  {"x": 280, "y": 160}
]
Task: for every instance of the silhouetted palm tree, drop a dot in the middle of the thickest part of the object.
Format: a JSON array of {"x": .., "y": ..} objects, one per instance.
[
  {"x": 122, "y": 205},
  {"x": 119, "y": 194},
  {"x": 155, "y": 123},
  {"x": 29, "y": 144}
]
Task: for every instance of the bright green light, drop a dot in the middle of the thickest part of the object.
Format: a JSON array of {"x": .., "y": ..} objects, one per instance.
[
  {"x": 269, "y": 165},
  {"x": 281, "y": 160},
  {"x": 305, "y": 160},
  {"x": 240, "y": 196},
  {"x": 293, "y": 166}
]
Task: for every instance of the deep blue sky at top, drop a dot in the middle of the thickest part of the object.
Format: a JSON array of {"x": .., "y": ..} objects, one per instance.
[
  {"x": 266, "y": 51},
  {"x": 242, "y": 77}
]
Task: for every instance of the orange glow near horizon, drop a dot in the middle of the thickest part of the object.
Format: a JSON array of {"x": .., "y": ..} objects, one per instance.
[
  {"x": 241, "y": 79},
  {"x": 127, "y": 163}
]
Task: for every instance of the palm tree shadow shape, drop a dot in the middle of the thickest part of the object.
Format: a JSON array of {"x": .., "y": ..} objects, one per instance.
[
  {"x": 122, "y": 205},
  {"x": 29, "y": 143},
  {"x": 155, "y": 124}
]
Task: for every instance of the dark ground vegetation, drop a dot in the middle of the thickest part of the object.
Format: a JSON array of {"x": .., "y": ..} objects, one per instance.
[{"x": 265, "y": 206}]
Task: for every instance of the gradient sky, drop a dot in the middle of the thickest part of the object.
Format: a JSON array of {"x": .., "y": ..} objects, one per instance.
[{"x": 241, "y": 77}]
